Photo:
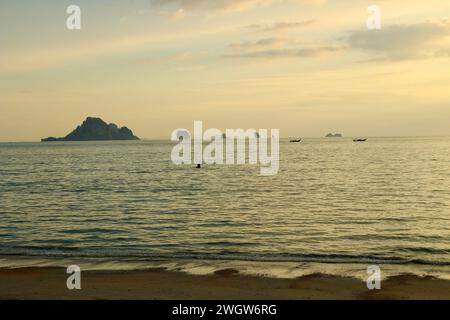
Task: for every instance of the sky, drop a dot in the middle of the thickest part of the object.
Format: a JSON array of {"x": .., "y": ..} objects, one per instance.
[{"x": 306, "y": 67}]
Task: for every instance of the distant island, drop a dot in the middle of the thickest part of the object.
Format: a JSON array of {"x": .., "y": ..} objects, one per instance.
[
  {"x": 335, "y": 135},
  {"x": 95, "y": 129}
]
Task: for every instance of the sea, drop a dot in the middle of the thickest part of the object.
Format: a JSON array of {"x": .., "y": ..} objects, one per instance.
[{"x": 335, "y": 207}]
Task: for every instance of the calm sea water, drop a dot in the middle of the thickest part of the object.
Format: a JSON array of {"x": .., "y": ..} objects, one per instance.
[{"x": 333, "y": 201}]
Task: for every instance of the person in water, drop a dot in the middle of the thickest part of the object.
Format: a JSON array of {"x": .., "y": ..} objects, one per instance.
[{"x": 199, "y": 166}]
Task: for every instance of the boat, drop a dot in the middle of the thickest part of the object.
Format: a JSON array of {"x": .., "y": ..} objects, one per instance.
[
  {"x": 334, "y": 135},
  {"x": 296, "y": 140},
  {"x": 359, "y": 140}
]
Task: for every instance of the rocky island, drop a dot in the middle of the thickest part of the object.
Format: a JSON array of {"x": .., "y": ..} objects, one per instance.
[{"x": 95, "y": 129}]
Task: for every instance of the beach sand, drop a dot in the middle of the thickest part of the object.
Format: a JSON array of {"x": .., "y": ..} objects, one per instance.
[{"x": 50, "y": 283}]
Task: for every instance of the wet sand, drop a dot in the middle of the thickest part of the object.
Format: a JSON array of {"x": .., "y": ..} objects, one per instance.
[{"x": 50, "y": 283}]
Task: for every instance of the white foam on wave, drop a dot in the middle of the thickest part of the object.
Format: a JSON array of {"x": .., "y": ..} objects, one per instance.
[{"x": 282, "y": 270}]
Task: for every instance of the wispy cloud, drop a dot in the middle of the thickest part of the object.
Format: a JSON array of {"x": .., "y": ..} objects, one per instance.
[
  {"x": 228, "y": 5},
  {"x": 281, "y": 47},
  {"x": 258, "y": 44},
  {"x": 223, "y": 5},
  {"x": 58, "y": 55},
  {"x": 44, "y": 58},
  {"x": 308, "y": 52},
  {"x": 403, "y": 42},
  {"x": 279, "y": 26}
]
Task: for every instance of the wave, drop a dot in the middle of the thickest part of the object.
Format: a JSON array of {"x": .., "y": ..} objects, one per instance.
[
  {"x": 268, "y": 269},
  {"x": 122, "y": 253}
]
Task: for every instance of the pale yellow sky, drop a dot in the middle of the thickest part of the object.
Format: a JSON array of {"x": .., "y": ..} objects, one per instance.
[{"x": 306, "y": 67}]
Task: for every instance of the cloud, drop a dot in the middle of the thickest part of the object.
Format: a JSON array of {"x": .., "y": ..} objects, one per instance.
[
  {"x": 179, "y": 14},
  {"x": 307, "y": 52},
  {"x": 222, "y": 5},
  {"x": 48, "y": 57},
  {"x": 279, "y": 26},
  {"x": 280, "y": 47},
  {"x": 258, "y": 44},
  {"x": 227, "y": 5},
  {"x": 403, "y": 42}
]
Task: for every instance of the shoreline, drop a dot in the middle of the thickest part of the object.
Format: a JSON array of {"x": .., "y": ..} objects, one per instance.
[{"x": 37, "y": 283}]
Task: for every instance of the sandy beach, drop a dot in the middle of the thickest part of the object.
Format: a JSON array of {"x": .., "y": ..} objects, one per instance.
[{"x": 50, "y": 283}]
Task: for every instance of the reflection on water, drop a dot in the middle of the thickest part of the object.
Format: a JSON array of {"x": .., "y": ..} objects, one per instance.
[{"x": 386, "y": 200}]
